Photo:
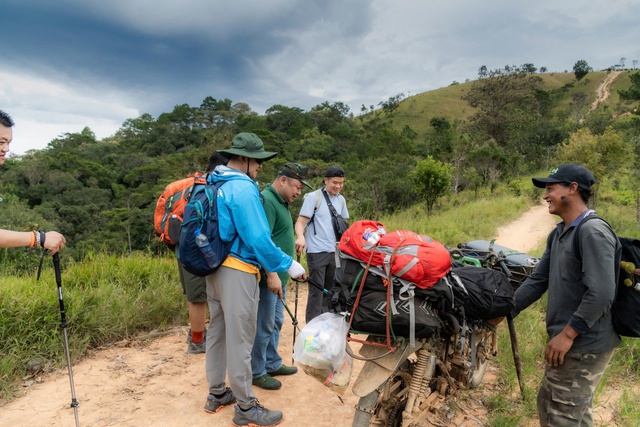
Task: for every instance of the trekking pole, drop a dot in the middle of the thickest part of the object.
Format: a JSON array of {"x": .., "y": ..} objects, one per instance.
[
  {"x": 295, "y": 308},
  {"x": 516, "y": 353},
  {"x": 294, "y": 320},
  {"x": 512, "y": 329},
  {"x": 63, "y": 325}
]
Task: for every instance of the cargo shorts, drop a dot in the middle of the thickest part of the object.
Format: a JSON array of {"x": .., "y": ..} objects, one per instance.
[
  {"x": 194, "y": 287},
  {"x": 565, "y": 397}
]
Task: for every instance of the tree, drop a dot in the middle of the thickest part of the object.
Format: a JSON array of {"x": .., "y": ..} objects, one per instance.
[
  {"x": 488, "y": 160},
  {"x": 392, "y": 104},
  {"x": 578, "y": 105},
  {"x": 529, "y": 68},
  {"x": 433, "y": 180},
  {"x": 581, "y": 69},
  {"x": 507, "y": 106},
  {"x": 633, "y": 93},
  {"x": 604, "y": 155}
]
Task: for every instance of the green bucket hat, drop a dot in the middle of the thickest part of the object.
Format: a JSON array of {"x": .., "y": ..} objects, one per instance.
[
  {"x": 248, "y": 145},
  {"x": 296, "y": 171}
]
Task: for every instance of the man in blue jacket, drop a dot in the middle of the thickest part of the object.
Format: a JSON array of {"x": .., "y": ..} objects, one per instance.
[{"x": 232, "y": 291}]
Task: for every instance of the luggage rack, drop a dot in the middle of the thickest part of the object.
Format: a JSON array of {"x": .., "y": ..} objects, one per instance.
[{"x": 484, "y": 253}]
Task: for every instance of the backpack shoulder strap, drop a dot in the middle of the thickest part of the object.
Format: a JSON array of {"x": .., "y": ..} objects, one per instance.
[
  {"x": 576, "y": 233},
  {"x": 329, "y": 204},
  {"x": 318, "y": 202}
]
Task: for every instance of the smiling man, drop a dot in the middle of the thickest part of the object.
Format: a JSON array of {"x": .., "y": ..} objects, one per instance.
[
  {"x": 320, "y": 238},
  {"x": 580, "y": 291},
  {"x": 266, "y": 363}
]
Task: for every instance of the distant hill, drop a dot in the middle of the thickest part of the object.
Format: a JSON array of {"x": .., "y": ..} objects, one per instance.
[{"x": 417, "y": 110}]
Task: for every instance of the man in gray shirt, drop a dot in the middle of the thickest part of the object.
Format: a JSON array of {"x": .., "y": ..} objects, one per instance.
[{"x": 581, "y": 290}]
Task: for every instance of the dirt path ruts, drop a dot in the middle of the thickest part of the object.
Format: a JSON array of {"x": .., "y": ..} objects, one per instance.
[{"x": 603, "y": 91}]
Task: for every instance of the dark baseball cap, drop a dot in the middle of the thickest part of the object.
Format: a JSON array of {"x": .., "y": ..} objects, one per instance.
[
  {"x": 334, "y": 171},
  {"x": 296, "y": 171},
  {"x": 568, "y": 172}
]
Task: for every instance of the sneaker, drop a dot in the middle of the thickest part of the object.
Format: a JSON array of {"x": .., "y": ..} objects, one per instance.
[
  {"x": 256, "y": 416},
  {"x": 214, "y": 404},
  {"x": 198, "y": 348},
  {"x": 267, "y": 382},
  {"x": 284, "y": 370},
  {"x": 188, "y": 337}
]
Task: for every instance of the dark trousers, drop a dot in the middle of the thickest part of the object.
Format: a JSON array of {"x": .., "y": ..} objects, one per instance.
[{"x": 322, "y": 270}]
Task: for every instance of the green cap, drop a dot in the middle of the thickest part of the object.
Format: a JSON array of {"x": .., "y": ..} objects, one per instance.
[
  {"x": 296, "y": 171},
  {"x": 248, "y": 145}
]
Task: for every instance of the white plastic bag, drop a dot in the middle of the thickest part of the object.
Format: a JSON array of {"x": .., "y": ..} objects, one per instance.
[{"x": 320, "y": 350}]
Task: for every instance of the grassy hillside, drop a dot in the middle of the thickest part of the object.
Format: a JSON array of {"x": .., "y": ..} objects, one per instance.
[{"x": 416, "y": 111}]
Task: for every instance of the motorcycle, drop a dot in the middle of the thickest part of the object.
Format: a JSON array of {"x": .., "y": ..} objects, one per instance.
[
  {"x": 396, "y": 387},
  {"x": 400, "y": 383}
]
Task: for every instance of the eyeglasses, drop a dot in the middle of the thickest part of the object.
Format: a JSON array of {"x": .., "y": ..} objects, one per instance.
[{"x": 259, "y": 161}]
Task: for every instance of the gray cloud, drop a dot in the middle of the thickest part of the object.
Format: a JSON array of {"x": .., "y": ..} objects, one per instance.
[{"x": 76, "y": 61}]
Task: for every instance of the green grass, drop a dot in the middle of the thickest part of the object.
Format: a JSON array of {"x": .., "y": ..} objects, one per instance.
[
  {"x": 106, "y": 298},
  {"x": 462, "y": 220}
]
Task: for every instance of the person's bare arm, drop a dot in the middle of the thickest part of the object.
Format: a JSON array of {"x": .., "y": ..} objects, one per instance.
[
  {"x": 52, "y": 240},
  {"x": 301, "y": 243}
]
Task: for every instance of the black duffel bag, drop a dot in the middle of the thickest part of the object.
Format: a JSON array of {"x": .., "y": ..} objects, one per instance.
[
  {"x": 484, "y": 293},
  {"x": 370, "y": 315}
]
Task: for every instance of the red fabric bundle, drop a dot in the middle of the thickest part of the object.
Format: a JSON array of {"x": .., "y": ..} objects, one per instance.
[{"x": 405, "y": 254}]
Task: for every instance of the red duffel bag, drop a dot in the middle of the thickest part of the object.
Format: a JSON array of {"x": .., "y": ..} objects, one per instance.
[{"x": 402, "y": 253}]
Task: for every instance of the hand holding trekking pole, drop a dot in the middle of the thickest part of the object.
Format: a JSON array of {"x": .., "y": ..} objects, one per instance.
[{"x": 53, "y": 241}]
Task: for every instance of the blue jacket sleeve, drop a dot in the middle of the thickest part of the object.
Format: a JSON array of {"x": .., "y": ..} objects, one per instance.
[{"x": 243, "y": 221}]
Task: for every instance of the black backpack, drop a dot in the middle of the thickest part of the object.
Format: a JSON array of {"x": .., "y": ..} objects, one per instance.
[{"x": 626, "y": 306}]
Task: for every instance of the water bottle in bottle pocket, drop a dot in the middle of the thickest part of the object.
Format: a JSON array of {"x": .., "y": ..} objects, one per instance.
[{"x": 204, "y": 245}]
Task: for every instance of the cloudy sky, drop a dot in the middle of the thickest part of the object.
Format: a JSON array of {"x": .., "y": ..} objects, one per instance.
[{"x": 67, "y": 64}]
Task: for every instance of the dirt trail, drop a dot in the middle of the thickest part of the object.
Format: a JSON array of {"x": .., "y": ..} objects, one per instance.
[
  {"x": 603, "y": 91},
  {"x": 153, "y": 382}
]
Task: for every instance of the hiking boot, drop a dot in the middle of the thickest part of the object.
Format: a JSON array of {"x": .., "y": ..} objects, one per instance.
[
  {"x": 198, "y": 348},
  {"x": 214, "y": 404},
  {"x": 267, "y": 382},
  {"x": 284, "y": 370},
  {"x": 256, "y": 416}
]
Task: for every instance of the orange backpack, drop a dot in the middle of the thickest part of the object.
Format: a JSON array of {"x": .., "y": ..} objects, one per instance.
[{"x": 167, "y": 218}]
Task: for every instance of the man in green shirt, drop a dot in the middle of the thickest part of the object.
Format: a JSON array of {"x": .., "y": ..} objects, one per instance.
[{"x": 265, "y": 360}]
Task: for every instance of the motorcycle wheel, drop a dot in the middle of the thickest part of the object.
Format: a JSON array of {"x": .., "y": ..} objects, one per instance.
[
  {"x": 476, "y": 376},
  {"x": 381, "y": 411}
]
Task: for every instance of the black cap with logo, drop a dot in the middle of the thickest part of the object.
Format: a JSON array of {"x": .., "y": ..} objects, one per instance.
[{"x": 568, "y": 172}]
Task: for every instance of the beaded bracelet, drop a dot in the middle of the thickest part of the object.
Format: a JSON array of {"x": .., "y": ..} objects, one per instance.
[{"x": 37, "y": 234}]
